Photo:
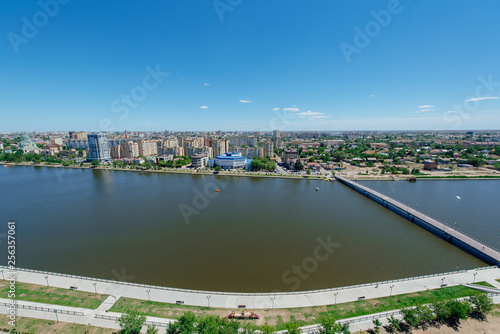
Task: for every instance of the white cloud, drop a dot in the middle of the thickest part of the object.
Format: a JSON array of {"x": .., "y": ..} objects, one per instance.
[
  {"x": 276, "y": 109},
  {"x": 312, "y": 115},
  {"x": 372, "y": 95},
  {"x": 206, "y": 84},
  {"x": 292, "y": 109},
  {"x": 245, "y": 101},
  {"x": 204, "y": 107},
  {"x": 477, "y": 99},
  {"x": 425, "y": 106}
]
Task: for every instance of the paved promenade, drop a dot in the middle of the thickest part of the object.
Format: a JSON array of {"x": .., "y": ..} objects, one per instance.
[
  {"x": 57, "y": 313},
  {"x": 260, "y": 300},
  {"x": 412, "y": 214}
]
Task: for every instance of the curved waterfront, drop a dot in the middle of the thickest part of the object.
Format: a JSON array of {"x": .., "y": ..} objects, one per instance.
[{"x": 255, "y": 235}]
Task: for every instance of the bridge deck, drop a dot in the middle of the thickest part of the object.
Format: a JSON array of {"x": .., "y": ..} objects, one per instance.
[{"x": 471, "y": 242}]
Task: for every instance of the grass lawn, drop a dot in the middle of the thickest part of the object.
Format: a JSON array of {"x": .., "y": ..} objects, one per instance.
[
  {"x": 51, "y": 295},
  {"x": 35, "y": 326},
  {"x": 485, "y": 284},
  {"x": 158, "y": 309},
  {"x": 364, "y": 307}
]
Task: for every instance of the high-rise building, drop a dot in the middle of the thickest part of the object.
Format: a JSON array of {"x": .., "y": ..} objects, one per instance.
[
  {"x": 99, "y": 147},
  {"x": 147, "y": 147},
  {"x": 115, "y": 152},
  {"x": 268, "y": 148},
  {"x": 276, "y": 133},
  {"x": 220, "y": 146},
  {"x": 78, "y": 135},
  {"x": 277, "y": 142},
  {"x": 129, "y": 150},
  {"x": 250, "y": 152},
  {"x": 240, "y": 141}
]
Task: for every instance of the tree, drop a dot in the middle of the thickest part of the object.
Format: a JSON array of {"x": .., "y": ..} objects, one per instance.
[
  {"x": 217, "y": 168},
  {"x": 184, "y": 325},
  {"x": 131, "y": 322},
  {"x": 483, "y": 305},
  {"x": 339, "y": 155},
  {"x": 293, "y": 328},
  {"x": 95, "y": 163},
  {"x": 394, "y": 324},
  {"x": 476, "y": 162},
  {"x": 298, "y": 165},
  {"x": 266, "y": 329},
  {"x": 410, "y": 316},
  {"x": 377, "y": 325},
  {"x": 152, "y": 330}
]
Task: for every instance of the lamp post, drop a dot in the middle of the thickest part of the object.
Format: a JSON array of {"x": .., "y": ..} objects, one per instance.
[
  {"x": 3, "y": 276},
  {"x": 95, "y": 288},
  {"x": 474, "y": 280},
  {"x": 208, "y": 299},
  {"x": 57, "y": 319},
  {"x": 336, "y": 294},
  {"x": 392, "y": 286},
  {"x": 47, "y": 279},
  {"x": 442, "y": 281},
  {"x": 149, "y": 298},
  {"x": 272, "y": 299}
]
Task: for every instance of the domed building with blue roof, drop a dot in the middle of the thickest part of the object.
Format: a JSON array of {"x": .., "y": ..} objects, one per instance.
[{"x": 232, "y": 161}]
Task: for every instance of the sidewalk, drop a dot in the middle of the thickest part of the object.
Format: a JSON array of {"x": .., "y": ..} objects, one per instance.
[
  {"x": 98, "y": 317},
  {"x": 260, "y": 300}
]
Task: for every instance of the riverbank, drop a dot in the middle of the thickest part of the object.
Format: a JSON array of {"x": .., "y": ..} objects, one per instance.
[
  {"x": 180, "y": 171},
  {"x": 360, "y": 177}
]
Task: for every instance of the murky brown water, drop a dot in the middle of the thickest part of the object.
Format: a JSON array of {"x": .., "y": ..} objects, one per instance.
[{"x": 255, "y": 235}]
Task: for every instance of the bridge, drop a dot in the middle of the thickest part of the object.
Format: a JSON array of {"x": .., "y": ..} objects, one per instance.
[{"x": 456, "y": 238}]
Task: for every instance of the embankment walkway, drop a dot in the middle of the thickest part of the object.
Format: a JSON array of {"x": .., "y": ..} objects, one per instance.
[
  {"x": 459, "y": 239},
  {"x": 252, "y": 300}
]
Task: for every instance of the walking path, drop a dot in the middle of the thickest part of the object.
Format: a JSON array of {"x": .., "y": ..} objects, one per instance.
[
  {"x": 99, "y": 317},
  {"x": 108, "y": 319},
  {"x": 254, "y": 300}
]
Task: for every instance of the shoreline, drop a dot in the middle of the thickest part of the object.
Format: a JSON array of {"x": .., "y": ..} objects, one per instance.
[
  {"x": 187, "y": 172},
  {"x": 305, "y": 177}
]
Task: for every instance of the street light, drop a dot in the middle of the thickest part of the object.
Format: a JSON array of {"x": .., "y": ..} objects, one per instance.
[
  {"x": 392, "y": 286},
  {"x": 95, "y": 288},
  {"x": 3, "y": 276},
  {"x": 336, "y": 294},
  {"x": 208, "y": 299},
  {"x": 474, "y": 281},
  {"x": 148, "y": 294},
  {"x": 47, "y": 279},
  {"x": 272, "y": 299},
  {"x": 442, "y": 281}
]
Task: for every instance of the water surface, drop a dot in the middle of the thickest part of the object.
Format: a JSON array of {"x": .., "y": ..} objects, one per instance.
[{"x": 255, "y": 235}]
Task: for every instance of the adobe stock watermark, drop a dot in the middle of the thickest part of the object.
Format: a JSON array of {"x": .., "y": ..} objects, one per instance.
[
  {"x": 129, "y": 101},
  {"x": 298, "y": 273},
  {"x": 31, "y": 26},
  {"x": 202, "y": 197},
  {"x": 223, "y": 6},
  {"x": 115, "y": 290},
  {"x": 363, "y": 37},
  {"x": 279, "y": 121},
  {"x": 486, "y": 89}
]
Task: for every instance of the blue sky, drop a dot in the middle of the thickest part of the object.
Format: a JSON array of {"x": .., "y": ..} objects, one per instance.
[{"x": 249, "y": 65}]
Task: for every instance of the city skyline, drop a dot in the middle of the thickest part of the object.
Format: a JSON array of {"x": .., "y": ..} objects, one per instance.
[{"x": 250, "y": 66}]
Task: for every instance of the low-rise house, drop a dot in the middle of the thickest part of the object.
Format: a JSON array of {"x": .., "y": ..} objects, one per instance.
[{"x": 430, "y": 165}]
